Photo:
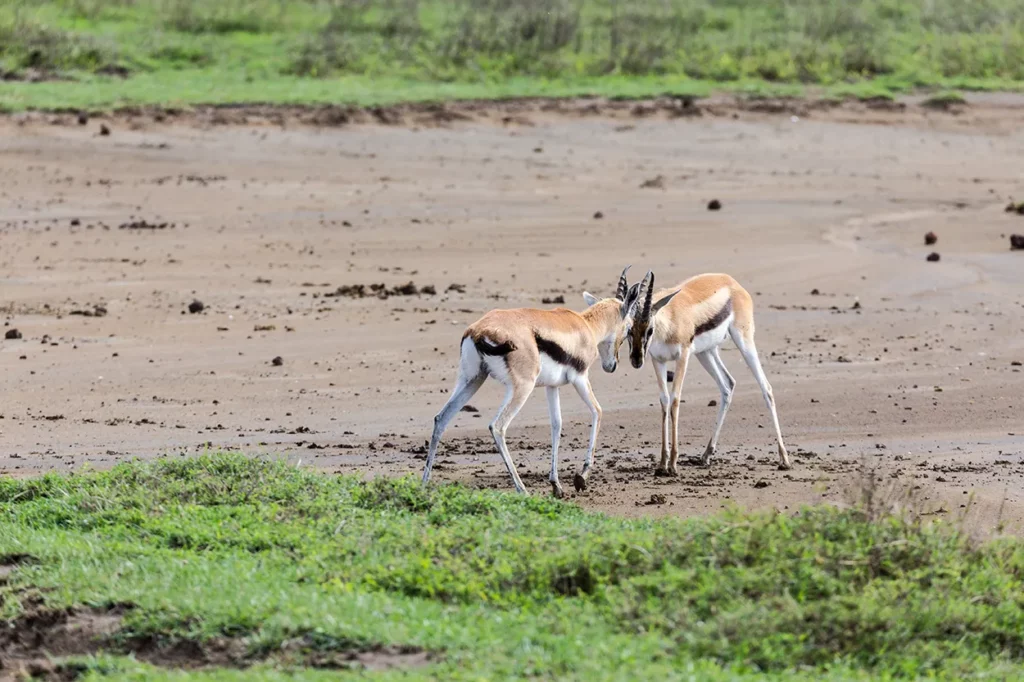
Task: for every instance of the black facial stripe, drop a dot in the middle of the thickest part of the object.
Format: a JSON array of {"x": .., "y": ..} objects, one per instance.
[
  {"x": 715, "y": 321},
  {"x": 558, "y": 354}
]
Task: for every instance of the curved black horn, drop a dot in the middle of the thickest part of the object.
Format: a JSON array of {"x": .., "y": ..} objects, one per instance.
[
  {"x": 620, "y": 292},
  {"x": 650, "y": 293}
]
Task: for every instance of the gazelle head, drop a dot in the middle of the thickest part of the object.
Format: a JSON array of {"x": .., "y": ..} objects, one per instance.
[
  {"x": 642, "y": 329},
  {"x": 625, "y": 305}
]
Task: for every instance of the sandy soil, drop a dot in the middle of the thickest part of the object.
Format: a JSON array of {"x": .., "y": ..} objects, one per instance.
[{"x": 105, "y": 240}]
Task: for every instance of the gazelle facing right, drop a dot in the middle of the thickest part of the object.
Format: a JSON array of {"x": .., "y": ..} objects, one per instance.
[{"x": 696, "y": 319}]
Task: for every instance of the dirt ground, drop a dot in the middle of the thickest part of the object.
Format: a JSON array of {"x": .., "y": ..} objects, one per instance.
[{"x": 878, "y": 357}]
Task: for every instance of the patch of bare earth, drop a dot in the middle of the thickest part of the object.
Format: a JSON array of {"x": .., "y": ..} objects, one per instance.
[{"x": 33, "y": 646}]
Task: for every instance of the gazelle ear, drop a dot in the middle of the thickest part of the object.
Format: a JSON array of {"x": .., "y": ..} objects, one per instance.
[
  {"x": 589, "y": 298},
  {"x": 662, "y": 302}
]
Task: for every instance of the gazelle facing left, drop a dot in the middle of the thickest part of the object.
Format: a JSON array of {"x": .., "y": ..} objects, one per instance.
[
  {"x": 525, "y": 348},
  {"x": 696, "y": 319}
]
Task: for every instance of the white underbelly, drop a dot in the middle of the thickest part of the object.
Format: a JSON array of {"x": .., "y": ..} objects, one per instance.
[
  {"x": 553, "y": 373},
  {"x": 713, "y": 337},
  {"x": 665, "y": 352}
]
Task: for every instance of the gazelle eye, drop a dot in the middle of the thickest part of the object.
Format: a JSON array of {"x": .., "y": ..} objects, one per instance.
[{"x": 649, "y": 332}]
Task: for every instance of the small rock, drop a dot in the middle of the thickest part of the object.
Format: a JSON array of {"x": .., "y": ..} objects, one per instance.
[
  {"x": 712, "y": 403},
  {"x": 656, "y": 499},
  {"x": 1016, "y": 242},
  {"x": 278, "y": 361},
  {"x": 762, "y": 484},
  {"x": 933, "y": 257},
  {"x": 856, "y": 305},
  {"x": 75, "y": 222},
  {"x": 12, "y": 334},
  {"x": 1016, "y": 363},
  {"x": 470, "y": 409},
  {"x": 815, "y": 292},
  {"x": 196, "y": 306},
  {"x": 714, "y": 205},
  {"x": 930, "y": 238},
  {"x": 598, "y": 215},
  {"x": 104, "y": 130}
]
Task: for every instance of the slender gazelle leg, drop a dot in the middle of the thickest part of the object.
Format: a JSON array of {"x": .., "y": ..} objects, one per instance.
[
  {"x": 749, "y": 352},
  {"x": 712, "y": 362},
  {"x": 555, "y": 408},
  {"x": 465, "y": 388},
  {"x": 515, "y": 398},
  {"x": 661, "y": 372},
  {"x": 582, "y": 386},
  {"x": 677, "y": 393}
]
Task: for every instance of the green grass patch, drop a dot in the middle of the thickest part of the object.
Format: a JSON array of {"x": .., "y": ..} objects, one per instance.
[
  {"x": 944, "y": 100},
  {"x": 500, "y": 586},
  {"x": 316, "y": 50}
]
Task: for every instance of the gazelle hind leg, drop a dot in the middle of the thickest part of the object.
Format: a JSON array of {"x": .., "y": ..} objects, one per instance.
[
  {"x": 711, "y": 361},
  {"x": 582, "y": 386},
  {"x": 749, "y": 352},
  {"x": 515, "y": 398},
  {"x": 465, "y": 388},
  {"x": 555, "y": 409}
]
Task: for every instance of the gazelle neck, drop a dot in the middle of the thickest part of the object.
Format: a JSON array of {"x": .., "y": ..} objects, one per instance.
[{"x": 602, "y": 317}]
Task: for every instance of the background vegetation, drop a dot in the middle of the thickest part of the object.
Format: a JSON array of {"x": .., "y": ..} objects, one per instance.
[
  {"x": 371, "y": 51},
  {"x": 502, "y": 586}
]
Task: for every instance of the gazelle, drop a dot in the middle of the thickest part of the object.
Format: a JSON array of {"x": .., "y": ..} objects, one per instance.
[
  {"x": 524, "y": 348},
  {"x": 695, "y": 319}
]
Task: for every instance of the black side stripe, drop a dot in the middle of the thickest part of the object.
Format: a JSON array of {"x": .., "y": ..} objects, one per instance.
[
  {"x": 715, "y": 321},
  {"x": 558, "y": 354},
  {"x": 485, "y": 348}
]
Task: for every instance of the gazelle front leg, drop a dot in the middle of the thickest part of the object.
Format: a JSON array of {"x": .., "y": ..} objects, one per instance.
[
  {"x": 677, "y": 392},
  {"x": 661, "y": 372},
  {"x": 555, "y": 408},
  {"x": 582, "y": 386}
]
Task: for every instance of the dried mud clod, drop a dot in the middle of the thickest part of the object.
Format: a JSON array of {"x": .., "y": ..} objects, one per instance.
[
  {"x": 12, "y": 335},
  {"x": 933, "y": 257},
  {"x": 196, "y": 306},
  {"x": 381, "y": 291},
  {"x": 579, "y": 483},
  {"x": 714, "y": 205},
  {"x": 930, "y": 238},
  {"x": 1017, "y": 242}
]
